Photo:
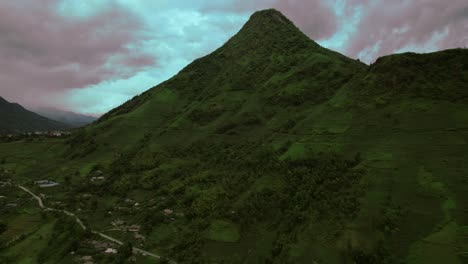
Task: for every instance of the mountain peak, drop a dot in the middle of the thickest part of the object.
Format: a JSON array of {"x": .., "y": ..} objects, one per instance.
[
  {"x": 14, "y": 119},
  {"x": 270, "y": 15},
  {"x": 270, "y": 20},
  {"x": 267, "y": 31}
]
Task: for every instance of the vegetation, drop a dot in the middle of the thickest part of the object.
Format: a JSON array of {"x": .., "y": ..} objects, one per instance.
[
  {"x": 64, "y": 238},
  {"x": 3, "y": 227},
  {"x": 125, "y": 251},
  {"x": 271, "y": 149}
]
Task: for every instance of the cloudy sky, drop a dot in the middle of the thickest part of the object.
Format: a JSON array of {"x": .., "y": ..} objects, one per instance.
[{"x": 91, "y": 56}]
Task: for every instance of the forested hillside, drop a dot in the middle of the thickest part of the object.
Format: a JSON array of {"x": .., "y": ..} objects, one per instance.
[{"x": 273, "y": 149}]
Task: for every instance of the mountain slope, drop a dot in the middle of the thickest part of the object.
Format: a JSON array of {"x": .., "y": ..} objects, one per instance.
[
  {"x": 272, "y": 88},
  {"x": 273, "y": 149},
  {"x": 268, "y": 64},
  {"x": 70, "y": 118},
  {"x": 14, "y": 118}
]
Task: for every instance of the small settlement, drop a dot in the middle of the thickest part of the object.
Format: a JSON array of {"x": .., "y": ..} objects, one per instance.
[{"x": 45, "y": 183}]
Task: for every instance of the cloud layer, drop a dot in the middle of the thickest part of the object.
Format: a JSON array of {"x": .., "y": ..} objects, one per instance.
[
  {"x": 92, "y": 56},
  {"x": 402, "y": 25},
  {"x": 43, "y": 52}
]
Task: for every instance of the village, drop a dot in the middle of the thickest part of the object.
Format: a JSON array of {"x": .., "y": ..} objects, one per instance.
[
  {"x": 119, "y": 223},
  {"x": 32, "y": 135}
]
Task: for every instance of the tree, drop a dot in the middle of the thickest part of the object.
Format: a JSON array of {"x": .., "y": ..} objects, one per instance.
[
  {"x": 357, "y": 158},
  {"x": 93, "y": 204},
  {"x": 67, "y": 180},
  {"x": 3, "y": 227},
  {"x": 125, "y": 251}
]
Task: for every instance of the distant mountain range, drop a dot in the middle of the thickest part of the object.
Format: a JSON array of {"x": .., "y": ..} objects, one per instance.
[
  {"x": 66, "y": 117},
  {"x": 16, "y": 119}
]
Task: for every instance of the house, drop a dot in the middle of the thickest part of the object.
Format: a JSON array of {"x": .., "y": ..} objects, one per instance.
[
  {"x": 111, "y": 251},
  {"x": 140, "y": 237},
  {"x": 100, "y": 245},
  {"x": 55, "y": 133},
  {"x": 98, "y": 178},
  {"x": 134, "y": 228},
  {"x": 118, "y": 223},
  {"x": 41, "y": 182},
  {"x": 168, "y": 211},
  {"x": 86, "y": 258},
  {"x": 46, "y": 183},
  {"x": 122, "y": 208},
  {"x": 57, "y": 203}
]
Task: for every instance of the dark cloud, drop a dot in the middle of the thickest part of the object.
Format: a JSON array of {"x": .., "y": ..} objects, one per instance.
[
  {"x": 400, "y": 24},
  {"x": 43, "y": 54}
]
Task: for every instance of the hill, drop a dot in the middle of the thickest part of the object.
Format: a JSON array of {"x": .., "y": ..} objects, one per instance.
[
  {"x": 273, "y": 149},
  {"x": 16, "y": 119},
  {"x": 66, "y": 117}
]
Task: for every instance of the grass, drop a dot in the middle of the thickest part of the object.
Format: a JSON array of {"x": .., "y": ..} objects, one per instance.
[
  {"x": 223, "y": 231},
  {"x": 295, "y": 152},
  {"x": 260, "y": 241},
  {"x": 439, "y": 247},
  {"x": 24, "y": 223},
  {"x": 163, "y": 235},
  {"x": 27, "y": 250}
]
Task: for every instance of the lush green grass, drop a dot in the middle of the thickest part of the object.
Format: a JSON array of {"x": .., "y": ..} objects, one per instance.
[
  {"x": 27, "y": 250},
  {"x": 24, "y": 223},
  {"x": 223, "y": 231}
]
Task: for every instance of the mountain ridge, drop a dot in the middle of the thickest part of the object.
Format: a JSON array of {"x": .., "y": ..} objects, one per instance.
[
  {"x": 14, "y": 118},
  {"x": 69, "y": 118}
]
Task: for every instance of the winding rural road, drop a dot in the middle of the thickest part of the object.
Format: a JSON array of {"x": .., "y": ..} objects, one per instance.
[{"x": 78, "y": 220}]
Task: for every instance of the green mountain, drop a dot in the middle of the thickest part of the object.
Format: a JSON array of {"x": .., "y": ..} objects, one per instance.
[
  {"x": 16, "y": 119},
  {"x": 273, "y": 149},
  {"x": 268, "y": 73}
]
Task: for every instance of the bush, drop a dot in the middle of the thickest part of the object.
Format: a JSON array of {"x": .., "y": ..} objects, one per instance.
[
  {"x": 124, "y": 252},
  {"x": 203, "y": 116},
  {"x": 3, "y": 227},
  {"x": 226, "y": 127}
]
